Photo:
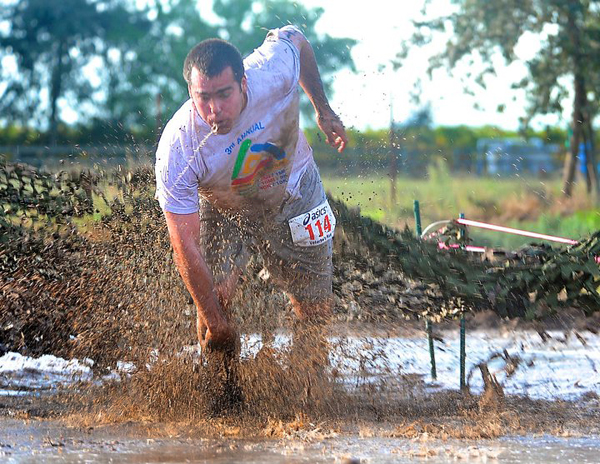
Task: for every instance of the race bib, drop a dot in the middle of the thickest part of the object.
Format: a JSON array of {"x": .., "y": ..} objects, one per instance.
[{"x": 314, "y": 227}]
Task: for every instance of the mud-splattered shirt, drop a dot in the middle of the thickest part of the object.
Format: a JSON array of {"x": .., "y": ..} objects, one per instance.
[{"x": 260, "y": 161}]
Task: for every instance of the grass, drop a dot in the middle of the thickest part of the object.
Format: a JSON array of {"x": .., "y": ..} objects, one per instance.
[{"x": 528, "y": 203}]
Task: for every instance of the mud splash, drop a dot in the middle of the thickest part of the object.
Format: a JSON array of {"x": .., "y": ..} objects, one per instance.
[
  {"x": 109, "y": 291},
  {"x": 54, "y": 442},
  {"x": 271, "y": 385},
  {"x": 163, "y": 411}
]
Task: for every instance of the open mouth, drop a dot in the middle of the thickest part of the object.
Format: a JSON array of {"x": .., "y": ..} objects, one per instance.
[{"x": 220, "y": 127}]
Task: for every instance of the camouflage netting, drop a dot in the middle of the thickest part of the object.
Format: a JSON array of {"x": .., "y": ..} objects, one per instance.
[
  {"x": 78, "y": 282},
  {"x": 533, "y": 282}
]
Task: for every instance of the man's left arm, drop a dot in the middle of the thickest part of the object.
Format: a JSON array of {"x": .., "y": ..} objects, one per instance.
[{"x": 311, "y": 83}]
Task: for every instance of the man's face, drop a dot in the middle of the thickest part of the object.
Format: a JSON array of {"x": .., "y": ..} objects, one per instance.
[{"x": 219, "y": 100}]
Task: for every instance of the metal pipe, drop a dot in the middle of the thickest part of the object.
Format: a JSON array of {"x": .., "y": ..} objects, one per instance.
[
  {"x": 463, "y": 353},
  {"x": 428, "y": 328},
  {"x": 435, "y": 225},
  {"x": 417, "y": 212}
]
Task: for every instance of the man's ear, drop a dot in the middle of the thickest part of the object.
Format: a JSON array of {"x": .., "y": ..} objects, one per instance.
[
  {"x": 193, "y": 103},
  {"x": 244, "y": 84}
]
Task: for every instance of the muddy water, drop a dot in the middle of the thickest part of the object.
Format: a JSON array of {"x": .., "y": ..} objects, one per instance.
[
  {"x": 52, "y": 442},
  {"x": 414, "y": 421}
]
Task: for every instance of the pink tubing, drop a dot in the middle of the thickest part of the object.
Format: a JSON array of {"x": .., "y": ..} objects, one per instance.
[{"x": 509, "y": 230}]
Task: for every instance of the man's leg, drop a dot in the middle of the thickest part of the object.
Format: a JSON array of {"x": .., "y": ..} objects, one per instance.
[
  {"x": 315, "y": 310},
  {"x": 225, "y": 252},
  {"x": 305, "y": 273},
  {"x": 310, "y": 332}
]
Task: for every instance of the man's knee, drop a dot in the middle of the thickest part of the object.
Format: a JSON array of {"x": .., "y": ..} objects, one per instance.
[{"x": 313, "y": 308}]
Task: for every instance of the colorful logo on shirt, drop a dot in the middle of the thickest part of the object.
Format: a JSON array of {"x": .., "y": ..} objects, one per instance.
[{"x": 258, "y": 166}]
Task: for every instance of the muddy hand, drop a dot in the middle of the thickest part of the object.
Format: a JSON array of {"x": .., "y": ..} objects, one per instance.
[
  {"x": 201, "y": 329},
  {"x": 332, "y": 127},
  {"x": 224, "y": 339}
]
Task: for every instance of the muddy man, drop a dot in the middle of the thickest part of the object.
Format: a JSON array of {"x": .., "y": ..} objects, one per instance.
[{"x": 235, "y": 174}]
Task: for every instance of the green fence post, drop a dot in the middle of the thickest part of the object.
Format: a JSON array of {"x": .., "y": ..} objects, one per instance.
[
  {"x": 428, "y": 327},
  {"x": 431, "y": 349},
  {"x": 417, "y": 212},
  {"x": 463, "y": 351}
]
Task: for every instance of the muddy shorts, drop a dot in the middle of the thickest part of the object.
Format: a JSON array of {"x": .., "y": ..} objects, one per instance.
[{"x": 303, "y": 272}]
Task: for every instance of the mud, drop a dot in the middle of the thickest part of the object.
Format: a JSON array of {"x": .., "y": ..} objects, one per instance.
[
  {"x": 110, "y": 292},
  {"x": 366, "y": 384},
  {"x": 165, "y": 413},
  {"x": 28, "y": 441}
]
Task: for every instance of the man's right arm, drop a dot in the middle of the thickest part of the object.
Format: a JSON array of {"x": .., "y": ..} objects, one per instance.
[
  {"x": 311, "y": 83},
  {"x": 184, "y": 230}
]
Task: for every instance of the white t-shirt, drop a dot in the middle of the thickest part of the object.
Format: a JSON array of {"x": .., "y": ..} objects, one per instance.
[{"x": 259, "y": 161}]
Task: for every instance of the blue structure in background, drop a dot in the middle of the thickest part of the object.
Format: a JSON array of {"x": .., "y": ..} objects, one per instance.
[
  {"x": 584, "y": 149},
  {"x": 515, "y": 156}
]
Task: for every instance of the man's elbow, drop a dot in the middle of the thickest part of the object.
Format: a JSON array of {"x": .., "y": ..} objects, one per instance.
[{"x": 295, "y": 35}]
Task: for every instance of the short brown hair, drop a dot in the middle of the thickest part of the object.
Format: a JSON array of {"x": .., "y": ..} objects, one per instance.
[{"x": 211, "y": 57}]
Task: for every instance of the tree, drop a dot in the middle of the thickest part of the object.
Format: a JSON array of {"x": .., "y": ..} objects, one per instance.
[
  {"x": 179, "y": 25},
  {"x": 147, "y": 78},
  {"x": 570, "y": 47},
  {"x": 136, "y": 55},
  {"x": 246, "y": 22},
  {"x": 51, "y": 43}
]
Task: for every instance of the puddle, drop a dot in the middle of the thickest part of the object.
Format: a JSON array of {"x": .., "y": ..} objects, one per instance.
[
  {"x": 559, "y": 367},
  {"x": 47, "y": 442}
]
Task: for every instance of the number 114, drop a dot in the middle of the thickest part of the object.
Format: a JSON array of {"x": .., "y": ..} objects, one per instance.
[{"x": 323, "y": 228}]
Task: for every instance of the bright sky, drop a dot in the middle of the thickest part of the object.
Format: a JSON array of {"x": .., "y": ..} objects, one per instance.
[
  {"x": 380, "y": 27},
  {"x": 364, "y": 99}
]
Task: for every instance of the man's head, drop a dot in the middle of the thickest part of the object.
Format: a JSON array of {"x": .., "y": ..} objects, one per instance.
[{"x": 214, "y": 72}]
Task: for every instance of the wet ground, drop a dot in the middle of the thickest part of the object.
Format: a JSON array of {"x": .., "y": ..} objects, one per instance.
[
  {"x": 35, "y": 441},
  {"x": 111, "y": 297},
  {"x": 548, "y": 410},
  {"x": 548, "y": 365}
]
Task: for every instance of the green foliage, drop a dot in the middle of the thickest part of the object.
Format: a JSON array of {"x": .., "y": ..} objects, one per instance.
[
  {"x": 19, "y": 135},
  {"x": 245, "y": 23},
  {"x": 534, "y": 283},
  {"x": 439, "y": 173},
  {"x": 138, "y": 54},
  {"x": 95, "y": 132},
  {"x": 153, "y": 66},
  {"x": 480, "y": 29},
  {"x": 417, "y": 147},
  {"x": 52, "y": 43},
  {"x": 509, "y": 202},
  {"x": 576, "y": 225}
]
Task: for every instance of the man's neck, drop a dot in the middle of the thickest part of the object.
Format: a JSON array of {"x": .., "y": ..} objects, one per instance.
[{"x": 245, "y": 94}]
